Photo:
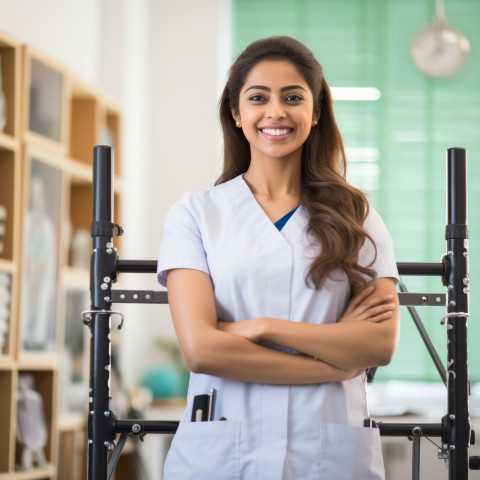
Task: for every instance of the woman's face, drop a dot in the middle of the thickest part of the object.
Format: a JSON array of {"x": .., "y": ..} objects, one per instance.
[{"x": 275, "y": 110}]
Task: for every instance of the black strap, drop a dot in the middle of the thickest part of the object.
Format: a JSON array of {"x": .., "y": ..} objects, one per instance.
[{"x": 106, "y": 229}]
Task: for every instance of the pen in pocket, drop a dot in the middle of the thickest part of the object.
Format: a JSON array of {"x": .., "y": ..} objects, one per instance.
[{"x": 211, "y": 404}]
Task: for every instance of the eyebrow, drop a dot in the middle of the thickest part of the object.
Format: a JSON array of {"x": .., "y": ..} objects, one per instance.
[{"x": 268, "y": 89}]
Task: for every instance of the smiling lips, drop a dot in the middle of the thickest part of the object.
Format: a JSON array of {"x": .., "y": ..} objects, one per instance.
[{"x": 276, "y": 132}]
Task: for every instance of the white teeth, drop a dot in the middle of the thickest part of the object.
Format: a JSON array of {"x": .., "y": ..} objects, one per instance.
[{"x": 275, "y": 131}]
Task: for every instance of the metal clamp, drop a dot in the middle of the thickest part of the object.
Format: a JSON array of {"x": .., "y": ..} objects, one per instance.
[
  {"x": 139, "y": 296},
  {"x": 453, "y": 314},
  {"x": 409, "y": 299},
  {"x": 87, "y": 316}
]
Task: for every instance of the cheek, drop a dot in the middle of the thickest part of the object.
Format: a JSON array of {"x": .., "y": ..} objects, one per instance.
[
  {"x": 248, "y": 116},
  {"x": 249, "y": 123},
  {"x": 250, "y": 133}
]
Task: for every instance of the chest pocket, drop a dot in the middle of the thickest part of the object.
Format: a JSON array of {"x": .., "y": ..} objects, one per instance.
[{"x": 205, "y": 451}]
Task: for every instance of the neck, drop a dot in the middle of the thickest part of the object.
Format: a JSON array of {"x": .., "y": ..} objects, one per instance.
[{"x": 274, "y": 178}]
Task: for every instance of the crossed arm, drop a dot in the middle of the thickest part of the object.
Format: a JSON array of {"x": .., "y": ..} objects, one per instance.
[{"x": 365, "y": 336}]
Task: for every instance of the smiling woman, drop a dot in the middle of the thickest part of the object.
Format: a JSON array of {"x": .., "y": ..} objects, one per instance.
[{"x": 281, "y": 285}]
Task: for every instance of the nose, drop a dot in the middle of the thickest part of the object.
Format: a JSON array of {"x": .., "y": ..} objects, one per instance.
[{"x": 275, "y": 109}]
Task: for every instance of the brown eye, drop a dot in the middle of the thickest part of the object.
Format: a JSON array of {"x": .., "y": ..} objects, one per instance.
[
  {"x": 294, "y": 98},
  {"x": 257, "y": 98}
]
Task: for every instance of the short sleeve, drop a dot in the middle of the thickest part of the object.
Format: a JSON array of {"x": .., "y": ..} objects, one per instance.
[
  {"x": 384, "y": 263},
  {"x": 181, "y": 245}
]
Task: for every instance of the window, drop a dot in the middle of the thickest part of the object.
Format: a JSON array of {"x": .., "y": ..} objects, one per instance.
[{"x": 396, "y": 143}]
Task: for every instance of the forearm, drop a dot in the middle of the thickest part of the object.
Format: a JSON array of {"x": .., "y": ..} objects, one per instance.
[
  {"x": 365, "y": 336},
  {"x": 344, "y": 345},
  {"x": 209, "y": 350},
  {"x": 230, "y": 356}
]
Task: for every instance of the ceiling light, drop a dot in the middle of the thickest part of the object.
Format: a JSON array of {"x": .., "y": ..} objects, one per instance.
[{"x": 356, "y": 93}]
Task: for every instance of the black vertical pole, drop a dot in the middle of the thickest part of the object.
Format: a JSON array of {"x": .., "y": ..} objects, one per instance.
[
  {"x": 100, "y": 421},
  {"x": 457, "y": 279}
]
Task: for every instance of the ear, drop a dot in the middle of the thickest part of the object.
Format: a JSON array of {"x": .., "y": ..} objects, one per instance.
[{"x": 236, "y": 118}]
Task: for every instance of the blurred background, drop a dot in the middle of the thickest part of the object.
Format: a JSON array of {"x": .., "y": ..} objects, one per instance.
[{"x": 166, "y": 63}]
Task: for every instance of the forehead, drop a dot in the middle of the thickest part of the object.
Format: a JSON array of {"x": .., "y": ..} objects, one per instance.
[{"x": 275, "y": 73}]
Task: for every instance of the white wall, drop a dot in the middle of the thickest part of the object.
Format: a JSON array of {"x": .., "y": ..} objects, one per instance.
[
  {"x": 183, "y": 147},
  {"x": 161, "y": 58},
  {"x": 67, "y": 30}
]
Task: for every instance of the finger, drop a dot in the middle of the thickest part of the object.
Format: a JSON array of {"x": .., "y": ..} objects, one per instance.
[
  {"x": 359, "y": 298},
  {"x": 381, "y": 317},
  {"x": 374, "y": 301},
  {"x": 372, "y": 312}
]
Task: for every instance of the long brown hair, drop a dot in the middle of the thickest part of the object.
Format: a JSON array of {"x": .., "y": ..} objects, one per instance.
[{"x": 336, "y": 209}]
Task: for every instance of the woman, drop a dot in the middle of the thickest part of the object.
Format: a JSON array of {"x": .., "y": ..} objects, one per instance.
[{"x": 261, "y": 270}]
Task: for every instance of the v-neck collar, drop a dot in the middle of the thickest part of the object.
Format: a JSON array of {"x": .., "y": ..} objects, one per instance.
[
  {"x": 281, "y": 222},
  {"x": 261, "y": 212}
]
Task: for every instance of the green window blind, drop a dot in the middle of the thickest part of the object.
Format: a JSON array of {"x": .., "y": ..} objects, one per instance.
[{"x": 395, "y": 145}]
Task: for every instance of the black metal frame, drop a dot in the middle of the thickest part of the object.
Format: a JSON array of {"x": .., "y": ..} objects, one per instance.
[{"x": 454, "y": 428}]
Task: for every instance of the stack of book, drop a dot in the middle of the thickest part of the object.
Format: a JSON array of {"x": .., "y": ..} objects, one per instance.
[{"x": 4, "y": 308}]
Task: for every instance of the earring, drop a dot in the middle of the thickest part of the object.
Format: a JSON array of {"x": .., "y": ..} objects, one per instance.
[
  {"x": 315, "y": 123},
  {"x": 237, "y": 123}
]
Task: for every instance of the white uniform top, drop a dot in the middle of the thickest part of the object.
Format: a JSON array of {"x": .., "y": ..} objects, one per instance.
[{"x": 272, "y": 432}]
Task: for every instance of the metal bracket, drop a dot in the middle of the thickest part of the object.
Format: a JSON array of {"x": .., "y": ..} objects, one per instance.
[
  {"x": 139, "y": 296},
  {"x": 161, "y": 297},
  {"x": 408, "y": 299},
  {"x": 87, "y": 316}
]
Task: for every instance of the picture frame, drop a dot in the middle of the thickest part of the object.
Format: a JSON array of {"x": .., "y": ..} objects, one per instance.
[
  {"x": 45, "y": 100},
  {"x": 41, "y": 256}
]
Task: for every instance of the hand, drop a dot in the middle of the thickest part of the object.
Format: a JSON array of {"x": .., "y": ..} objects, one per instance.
[
  {"x": 251, "y": 329},
  {"x": 366, "y": 306}
]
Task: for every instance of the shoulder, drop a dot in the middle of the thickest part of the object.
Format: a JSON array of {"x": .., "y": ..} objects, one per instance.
[
  {"x": 380, "y": 255},
  {"x": 373, "y": 222},
  {"x": 194, "y": 209},
  {"x": 196, "y": 202}
]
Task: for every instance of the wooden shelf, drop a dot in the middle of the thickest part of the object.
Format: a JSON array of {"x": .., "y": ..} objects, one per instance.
[
  {"x": 38, "y": 361},
  {"x": 35, "y": 474},
  {"x": 7, "y": 142},
  {"x": 7, "y": 363},
  {"x": 53, "y": 122},
  {"x": 8, "y": 266},
  {"x": 71, "y": 421},
  {"x": 79, "y": 172}
]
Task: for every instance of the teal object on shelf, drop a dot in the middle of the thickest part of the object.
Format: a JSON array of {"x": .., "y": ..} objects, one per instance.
[{"x": 165, "y": 382}]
